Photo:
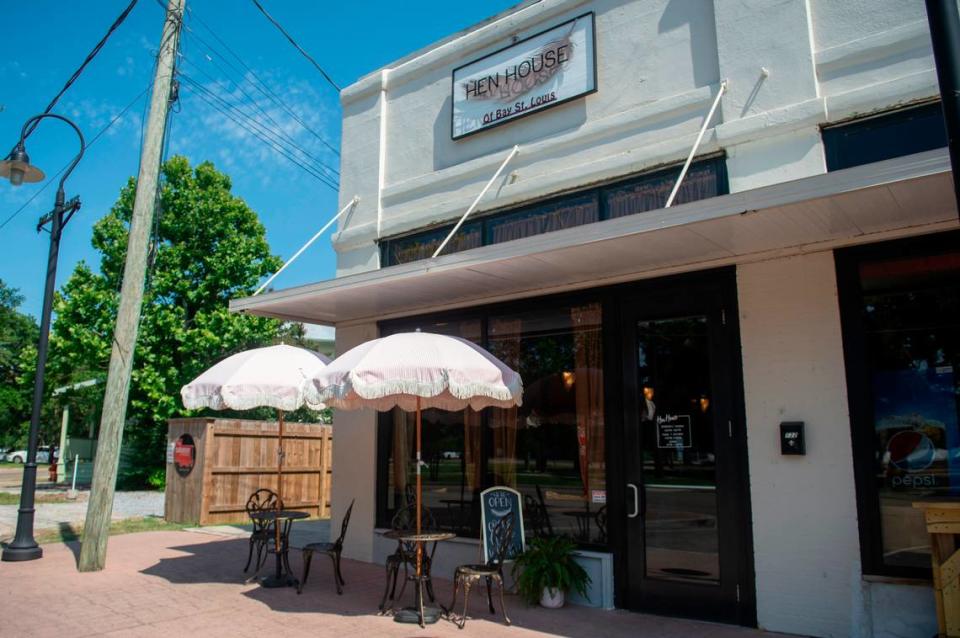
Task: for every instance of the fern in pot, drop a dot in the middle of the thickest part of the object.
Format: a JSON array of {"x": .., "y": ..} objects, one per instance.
[{"x": 547, "y": 570}]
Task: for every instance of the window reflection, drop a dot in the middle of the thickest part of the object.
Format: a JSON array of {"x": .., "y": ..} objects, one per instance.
[
  {"x": 910, "y": 312},
  {"x": 552, "y": 448}
]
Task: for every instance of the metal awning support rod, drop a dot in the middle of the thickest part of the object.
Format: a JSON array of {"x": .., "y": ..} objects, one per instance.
[
  {"x": 349, "y": 205},
  {"x": 696, "y": 145},
  {"x": 513, "y": 152}
]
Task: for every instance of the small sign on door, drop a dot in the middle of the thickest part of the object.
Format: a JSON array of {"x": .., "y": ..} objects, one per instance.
[{"x": 674, "y": 431}]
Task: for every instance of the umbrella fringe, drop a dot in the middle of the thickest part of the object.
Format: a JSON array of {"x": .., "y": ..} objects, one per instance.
[{"x": 383, "y": 389}]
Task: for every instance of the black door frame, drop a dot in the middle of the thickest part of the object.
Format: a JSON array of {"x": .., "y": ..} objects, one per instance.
[{"x": 713, "y": 293}]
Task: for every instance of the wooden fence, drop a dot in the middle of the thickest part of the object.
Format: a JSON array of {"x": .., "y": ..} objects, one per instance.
[{"x": 233, "y": 458}]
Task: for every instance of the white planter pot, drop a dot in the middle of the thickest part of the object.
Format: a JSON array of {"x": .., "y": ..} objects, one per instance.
[{"x": 551, "y": 598}]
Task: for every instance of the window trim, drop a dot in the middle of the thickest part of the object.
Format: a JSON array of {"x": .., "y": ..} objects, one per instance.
[
  {"x": 597, "y": 190},
  {"x": 860, "y": 395}
]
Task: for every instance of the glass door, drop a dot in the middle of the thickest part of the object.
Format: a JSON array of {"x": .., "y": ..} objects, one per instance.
[{"x": 686, "y": 536}]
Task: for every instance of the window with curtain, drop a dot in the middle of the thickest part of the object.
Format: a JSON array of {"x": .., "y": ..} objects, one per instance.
[
  {"x": 451, "y": 451},
  {"x": 649, "y": 191},
  {"x": 551, "y": 449}
]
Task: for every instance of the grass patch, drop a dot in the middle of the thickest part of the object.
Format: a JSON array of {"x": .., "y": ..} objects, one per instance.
[
  {"x": 67, "y": 532},
  {"x": 9, "y": 498}
]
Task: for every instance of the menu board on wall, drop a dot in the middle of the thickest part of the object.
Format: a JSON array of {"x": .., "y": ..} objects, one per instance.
[{"x": 533, "y": 74}]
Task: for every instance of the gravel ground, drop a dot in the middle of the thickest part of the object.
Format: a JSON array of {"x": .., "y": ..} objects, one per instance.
[{"x": 51, "y": 515}]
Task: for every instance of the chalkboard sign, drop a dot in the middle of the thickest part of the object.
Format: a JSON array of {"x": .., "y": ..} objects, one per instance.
[{"x": 497, "y": 502}]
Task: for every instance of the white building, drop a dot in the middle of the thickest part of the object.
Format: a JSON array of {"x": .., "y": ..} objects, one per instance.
[{"x": 807, "y": 272}]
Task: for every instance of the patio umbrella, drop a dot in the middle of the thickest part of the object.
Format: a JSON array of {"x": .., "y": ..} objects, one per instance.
[
  {"x": 274, "y": 377},
  {"x": 415, "y": 371}
]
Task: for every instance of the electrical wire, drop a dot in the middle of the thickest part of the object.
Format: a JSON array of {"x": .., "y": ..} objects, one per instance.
[
  {"x": 259, "y": 84},
  {"x": 211, "y": 99},
  {"x": 76, "y": 74},
  {"x": 92, "y": 141},
  {"x": 277, "y": 132},
  {"x": 297, "y": 46}
]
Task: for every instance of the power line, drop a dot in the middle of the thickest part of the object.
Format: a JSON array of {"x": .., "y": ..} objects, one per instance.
[
  {"x": 258, "y": 127},
  {"x": 260, "y": 85},
  {"x": 200, "y": 91},
  {"x": 92, "y": 141},
  {"x": 76, "y": 74},
  {"x": 277, "y": 130},
  {"x": 297, "y": 46}
]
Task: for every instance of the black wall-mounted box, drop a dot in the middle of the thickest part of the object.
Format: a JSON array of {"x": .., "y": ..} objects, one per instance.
[{"x": 791, "y": 438}]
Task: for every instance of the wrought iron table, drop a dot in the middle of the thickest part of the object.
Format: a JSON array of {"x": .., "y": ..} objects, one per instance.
[
  {"x": 419, "y": 613},
  {"x": 282, "y": 520}
]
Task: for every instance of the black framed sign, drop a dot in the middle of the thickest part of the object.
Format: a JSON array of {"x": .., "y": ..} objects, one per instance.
[{"x": 544, "y": 70}]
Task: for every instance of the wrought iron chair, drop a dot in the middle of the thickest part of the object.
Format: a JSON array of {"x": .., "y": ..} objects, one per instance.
[
  {"x": 601, "y": 520},
  {"x": 466, "y": 575},
  {"x": 263, "y": 531},
  {"x": 536, "y": 517},
  {"x": 406, "y": 553},
  {"x": 333, "y": 550}
]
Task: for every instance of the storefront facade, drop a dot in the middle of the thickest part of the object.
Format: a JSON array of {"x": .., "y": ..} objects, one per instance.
[{"x": 803, "y": 281}]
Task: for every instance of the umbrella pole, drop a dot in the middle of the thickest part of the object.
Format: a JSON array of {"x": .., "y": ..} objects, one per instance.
[
  {"x": 419, "y": 494},
  {"x": 276, "y": 523}
]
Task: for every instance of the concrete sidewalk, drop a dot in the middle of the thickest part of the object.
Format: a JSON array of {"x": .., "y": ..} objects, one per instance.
[{"x": 187, "y": 583}]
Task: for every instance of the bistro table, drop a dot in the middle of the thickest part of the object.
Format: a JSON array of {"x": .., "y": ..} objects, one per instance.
[
  {"x": 285, "y": 519},
  {"x": 419, "y": 614}
]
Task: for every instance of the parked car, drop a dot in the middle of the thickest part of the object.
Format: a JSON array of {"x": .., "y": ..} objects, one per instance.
[{"x": 20, "y": 456}]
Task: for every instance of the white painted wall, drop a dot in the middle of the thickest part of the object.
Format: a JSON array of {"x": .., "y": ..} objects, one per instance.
[
  {"x": 806, "y": 545},
  {"x": 660, "y": 63},
  {"x": 355, "y": 463}
]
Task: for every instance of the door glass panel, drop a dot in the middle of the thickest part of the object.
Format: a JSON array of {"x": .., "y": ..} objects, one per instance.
[{"x": 679, "y": 504}]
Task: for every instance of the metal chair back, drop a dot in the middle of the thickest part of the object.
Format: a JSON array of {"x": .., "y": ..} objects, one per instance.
[
  {"x": 344, "y": 524},
  {"x": 262, "y": 500}
]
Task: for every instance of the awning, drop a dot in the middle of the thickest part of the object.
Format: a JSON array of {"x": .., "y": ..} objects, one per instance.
[{"x": 865, "y": 203}]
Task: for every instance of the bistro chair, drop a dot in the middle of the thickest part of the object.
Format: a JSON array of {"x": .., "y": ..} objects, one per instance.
[
  {"x": 263, "y": 531},
  {"x": 406, "y": 553},
  {"x": 601, "y": 519},
  {"x": 536, "y": 517},
  {"x": 333, "y": 550},
  {"x": 466, "y": 575}
]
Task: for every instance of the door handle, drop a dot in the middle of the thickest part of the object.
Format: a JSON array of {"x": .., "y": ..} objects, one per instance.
[{"x": 636, "y": 501}]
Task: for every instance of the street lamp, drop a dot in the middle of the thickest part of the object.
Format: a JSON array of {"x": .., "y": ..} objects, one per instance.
[{"x": 17, "y": 169}]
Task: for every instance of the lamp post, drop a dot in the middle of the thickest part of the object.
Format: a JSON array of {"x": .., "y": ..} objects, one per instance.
[{"x": 17, "y": 169}]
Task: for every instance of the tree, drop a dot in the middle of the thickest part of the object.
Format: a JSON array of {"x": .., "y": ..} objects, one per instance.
[
  {"x": 18, "y": 353},
  {"x": 209, "y": 247}
]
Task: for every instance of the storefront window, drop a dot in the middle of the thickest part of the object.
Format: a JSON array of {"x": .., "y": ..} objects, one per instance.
[
  {"x": 552, "y": 448},
  {"x": 703, "y": 180},
  {"x": 566, "y": 213},
  {"x": 450, "y": 449},
  {"x": 910, "y": 314}
]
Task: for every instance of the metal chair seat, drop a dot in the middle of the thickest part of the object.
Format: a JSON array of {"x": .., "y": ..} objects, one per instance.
[{"x": 478, "y": 570}]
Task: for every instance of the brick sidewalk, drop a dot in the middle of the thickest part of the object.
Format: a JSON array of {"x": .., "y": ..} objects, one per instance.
[{"x": 190, "y": 585}]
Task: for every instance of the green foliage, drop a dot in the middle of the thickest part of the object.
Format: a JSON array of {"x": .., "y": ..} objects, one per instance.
[
  {"x": 157, "y": 478},
  {"x": 209, "y": 247},
  {"x": 548, "y": 562},
  {"x": 18, "y": 353}
]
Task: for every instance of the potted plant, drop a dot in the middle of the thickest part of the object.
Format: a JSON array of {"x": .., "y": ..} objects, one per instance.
[{"x": 547, "y": 570}]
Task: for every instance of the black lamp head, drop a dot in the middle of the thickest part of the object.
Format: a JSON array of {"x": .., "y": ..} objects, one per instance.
[{"x": 17, "y": 167}]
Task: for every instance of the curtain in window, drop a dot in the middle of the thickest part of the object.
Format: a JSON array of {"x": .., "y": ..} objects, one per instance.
[
  {"x": 504, "y": 423},
  {"x": 471, "y": 449},
  {"x": 651, "y": 193},
  {"x": 401, "y": 451},
  {"x": 544, "y": 219},
  {"x": 588, "y": 382}
]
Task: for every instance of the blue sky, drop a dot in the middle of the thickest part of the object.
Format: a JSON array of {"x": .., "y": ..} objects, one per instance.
[{"x": 45, "y": 40}]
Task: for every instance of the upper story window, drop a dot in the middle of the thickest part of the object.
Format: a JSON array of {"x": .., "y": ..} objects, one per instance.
[
  {"x": 886, "y": 136},
  {"x": 706, "y": 178}
]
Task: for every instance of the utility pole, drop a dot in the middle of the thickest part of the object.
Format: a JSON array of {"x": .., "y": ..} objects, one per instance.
[{"x": 93, "y": 552}]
